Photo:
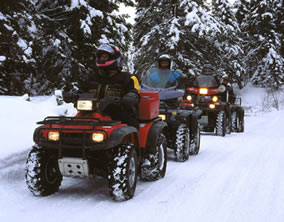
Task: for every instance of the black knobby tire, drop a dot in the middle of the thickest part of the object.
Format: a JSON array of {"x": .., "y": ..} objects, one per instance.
[
  {"x": 42, "y": 172},
  {"x": 195, "y": 143},
  {"x": 228, "y": 125},
  {"x": 122, "y": 172},
  {"x": 154, "y": 165},
  {"x": 235, "y": 121},
  {"x": 241, "y": 123},
  {"x": 221, "y": 124},
  {"x": 182, "y": 145}
]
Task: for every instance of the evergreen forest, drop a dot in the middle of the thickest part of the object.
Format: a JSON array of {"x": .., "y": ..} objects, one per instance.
[{"x": 48, "y": 45}]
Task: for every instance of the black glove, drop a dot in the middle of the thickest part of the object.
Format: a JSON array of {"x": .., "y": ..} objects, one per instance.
[
  {"x": 129, "y": 100},
  {"x": 105, "y": 102},
  {"x": 70, "y": 97}
]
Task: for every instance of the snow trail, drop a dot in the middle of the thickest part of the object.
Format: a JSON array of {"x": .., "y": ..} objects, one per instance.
[{"x": 233, "y": 178}]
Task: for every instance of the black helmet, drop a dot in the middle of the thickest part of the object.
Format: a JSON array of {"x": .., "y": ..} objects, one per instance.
[
  {"x": 165, "y": 57},
  {"x": 207, "y": 69},
  {"x": 115, "y": 61}
]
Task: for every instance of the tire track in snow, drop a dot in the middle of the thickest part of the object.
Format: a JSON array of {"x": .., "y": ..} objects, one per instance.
[{"x": 12, "y": 167}]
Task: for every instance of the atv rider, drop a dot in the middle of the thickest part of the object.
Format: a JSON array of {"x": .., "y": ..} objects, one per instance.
[
  {"x": 110, "y": 81},
  {"x": 229, "y": 90},
  {"x": 209, "y": 70},
  {"x": 175, "y": 79},
  {"x": 165, "y": 64},
  {"x": 228, "y": 95}
]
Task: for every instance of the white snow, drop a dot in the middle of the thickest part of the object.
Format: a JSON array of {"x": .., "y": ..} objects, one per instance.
[
  {"x": 2, "y": 17},
  {"x": 33, "y": 27},
  {"x": 129, "y": 11},
  {"x": 234, "y": 178},
  {"x": 85, "y": 27},
  {"x": 2, "y": 58},
  {"x": 94, "y": 12},
  {"x": 56, "y": 42},
  {"x": 78, "y": 3},
  {"x": 24, "y": 45},
  {"x": 8, "y": 27}
]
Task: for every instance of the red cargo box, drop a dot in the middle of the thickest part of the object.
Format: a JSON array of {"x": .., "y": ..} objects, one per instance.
[{"x": 149, "y": 105}]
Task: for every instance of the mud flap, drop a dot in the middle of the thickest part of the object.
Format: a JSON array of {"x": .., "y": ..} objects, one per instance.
[
  {"x": 153, "y": 136},
  {"x": 118, "y": 134}
]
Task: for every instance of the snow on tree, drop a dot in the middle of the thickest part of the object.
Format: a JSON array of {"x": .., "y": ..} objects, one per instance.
[
  {"x": 52, "y": 44},
  {"x": 15, "y": 46},
  {"x": 228, "y": 42},
  {"x": 264, "y": 56},
  {"x": 80, "y": 27},
  {"x": 178, "y": 28}
]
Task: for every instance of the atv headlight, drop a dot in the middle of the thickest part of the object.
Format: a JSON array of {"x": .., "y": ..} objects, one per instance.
[
  {"x": 203, "y": 91},
  {"x": 98, "y": 137},
  {"x": 215, "y": 99},
  {"x": 189, "y": 98},
  {"x": 162, "y": 116},
  {"x": 53, "y": 136},
  {"x": 85, "y": 105},
  {"x": 212, "y": 106}
]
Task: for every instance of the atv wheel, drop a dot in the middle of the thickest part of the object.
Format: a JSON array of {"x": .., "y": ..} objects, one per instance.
[
  {"x": 154, "y": 165},
  {"x": 235, "y": 121},
  {"x": 228, "y": 126},
  {"x": 195, "y": 144},
  {"x": 42, "y": 173},
  {"x": 182, "y": 145},
  {"x": 221, "y": 124},
  {"x": 241, "y": 123},
  {"x": 122, "y": 172}
]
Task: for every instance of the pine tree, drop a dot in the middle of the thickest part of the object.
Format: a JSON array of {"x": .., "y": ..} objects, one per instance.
[
  {"x": 265, "y": 44},
  {"x": 15, "y": 42},
  {"x": 53, "y": 43},
  {"x": 229, "y": 42},
  {"x": 75, "y": 30},
  {"x": 243, "y": 10}
]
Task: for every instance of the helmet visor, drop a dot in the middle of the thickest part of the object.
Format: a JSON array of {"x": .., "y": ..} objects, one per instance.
[{"x": 106, "y": 48}]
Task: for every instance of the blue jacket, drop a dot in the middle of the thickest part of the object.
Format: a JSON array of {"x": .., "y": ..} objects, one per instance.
[{"x": 156, "y": 78}]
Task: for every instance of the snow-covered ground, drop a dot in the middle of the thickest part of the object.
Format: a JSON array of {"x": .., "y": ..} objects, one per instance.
[{"x": 235, "y": 178}]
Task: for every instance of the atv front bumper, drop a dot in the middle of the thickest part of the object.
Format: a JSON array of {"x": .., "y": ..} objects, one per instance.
[{"x": 76, "y": 133}]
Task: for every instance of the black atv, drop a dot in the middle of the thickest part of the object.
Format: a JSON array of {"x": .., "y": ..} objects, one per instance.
[
  {"x": 218, "y": 116},
  {"x": 181, "y": 136}
]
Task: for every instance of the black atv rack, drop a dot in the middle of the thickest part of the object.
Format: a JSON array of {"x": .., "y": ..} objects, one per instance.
[
  {"x": 62, "y": 120},
  {"x": 74, "y": 121}
]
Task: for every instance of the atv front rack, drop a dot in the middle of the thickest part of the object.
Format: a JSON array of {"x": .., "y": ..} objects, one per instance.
[
  {"x": 76, "y": 137},
  {"x": 86, "y": 121}
]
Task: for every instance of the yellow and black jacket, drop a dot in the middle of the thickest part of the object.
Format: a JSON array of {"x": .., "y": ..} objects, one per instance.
[{"x": 123, "y": 85}]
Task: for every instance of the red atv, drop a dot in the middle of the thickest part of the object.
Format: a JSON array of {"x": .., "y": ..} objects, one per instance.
[
  {"x": 91, "y": 144},
  {"x": 221, "y": 117}
]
